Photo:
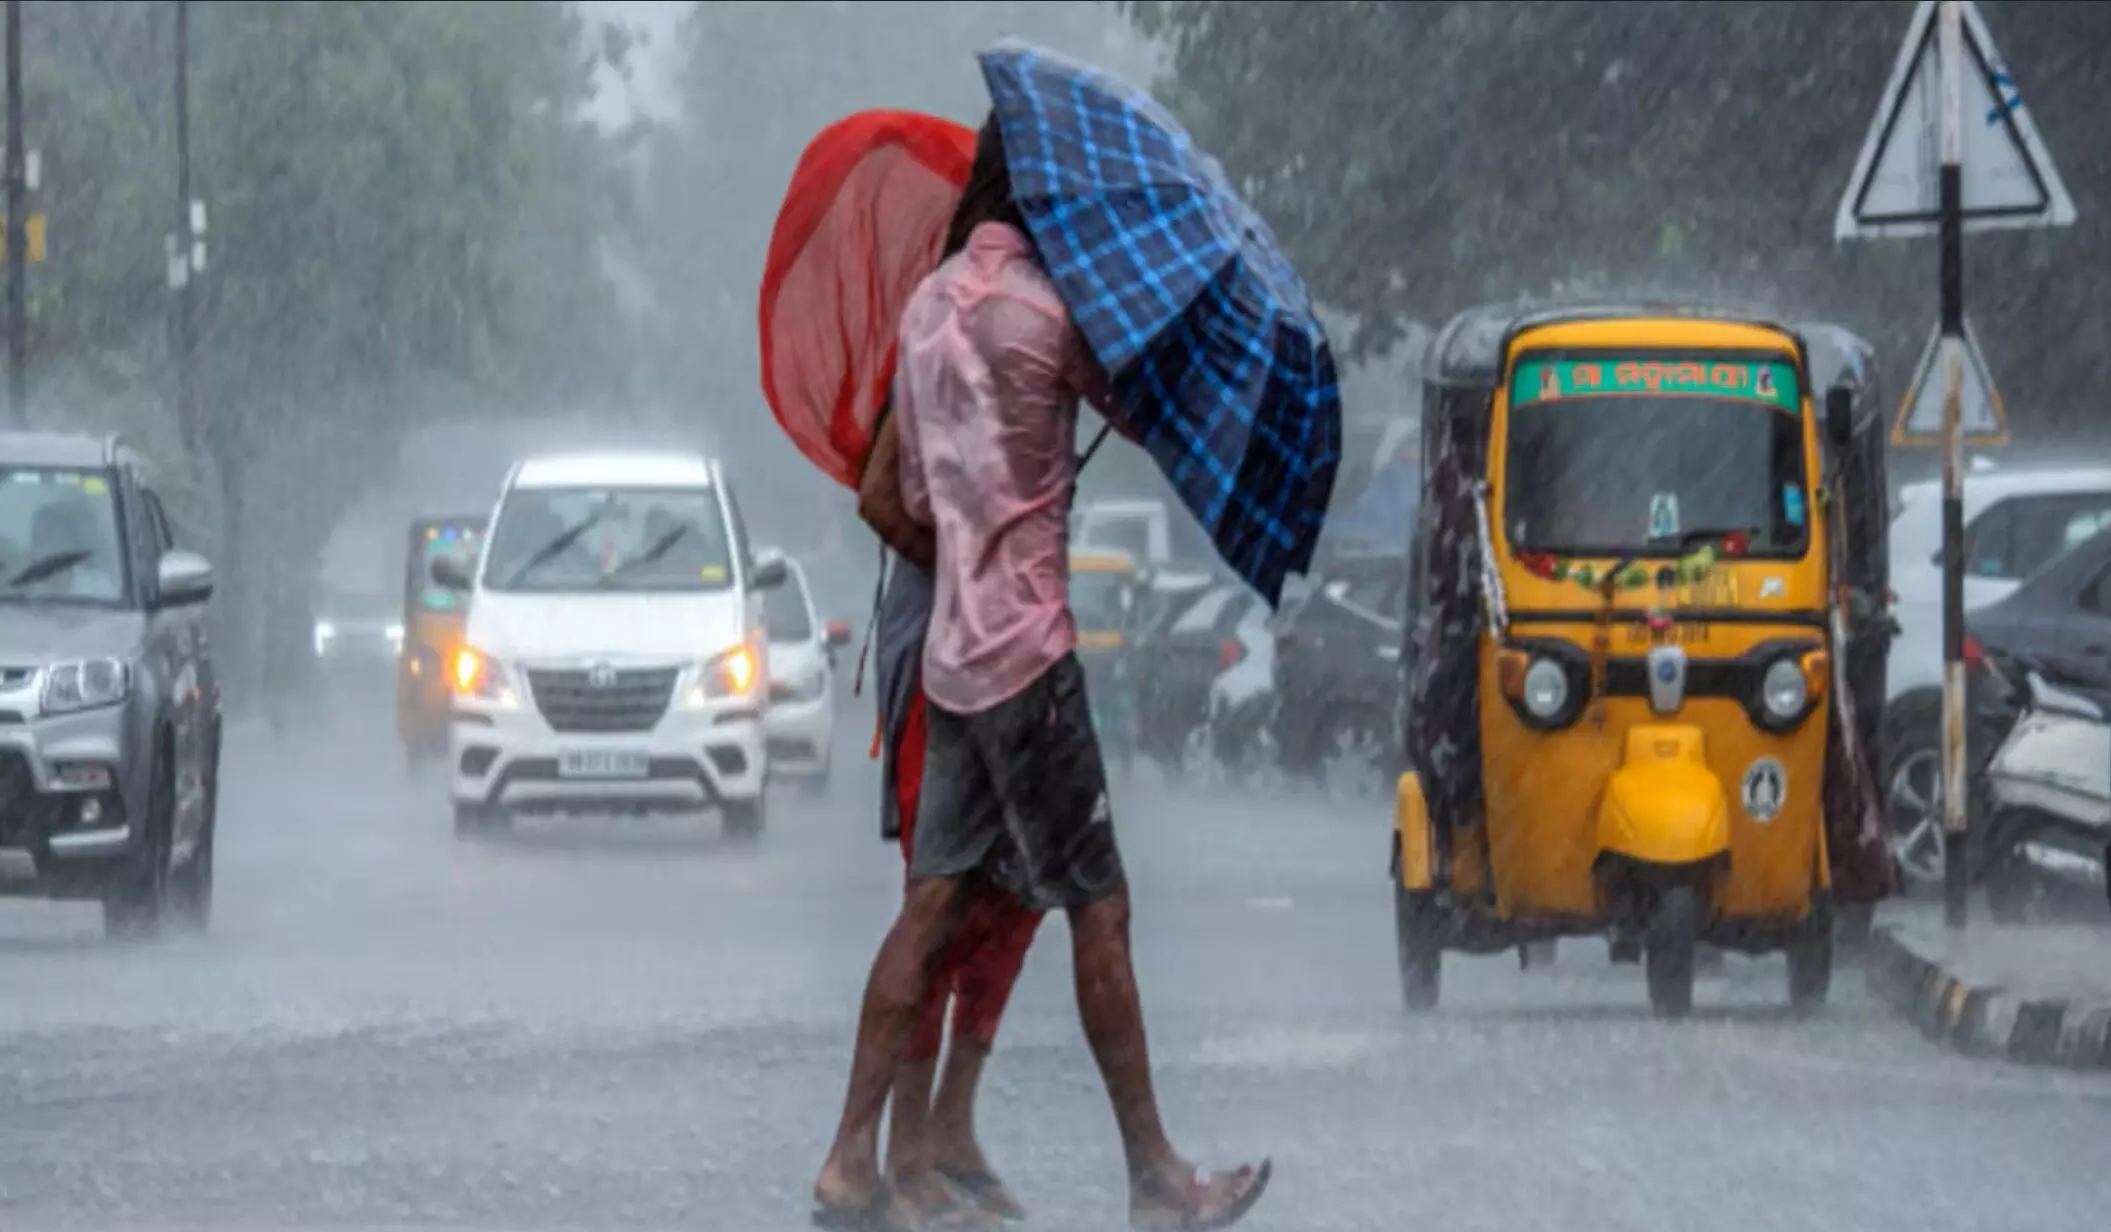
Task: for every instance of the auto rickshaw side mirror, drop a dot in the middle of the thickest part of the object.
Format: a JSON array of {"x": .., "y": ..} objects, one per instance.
[
  {"x": 450, "y": 574},
  {"x": 1839, "y": 414}
]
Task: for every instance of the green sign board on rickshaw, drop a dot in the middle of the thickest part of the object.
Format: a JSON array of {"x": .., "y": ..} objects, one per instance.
[{"x": 1771, "y": 382}]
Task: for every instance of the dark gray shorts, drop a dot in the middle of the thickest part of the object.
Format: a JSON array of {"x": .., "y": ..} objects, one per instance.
[{"x": 1052, "y": 840}]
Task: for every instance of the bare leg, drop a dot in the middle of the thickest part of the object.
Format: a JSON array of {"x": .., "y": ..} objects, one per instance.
[
  {"x": 952, "y": 1133},
  {"x": 1161, "y": 1183},
  {"x": 901, "y": 973}
]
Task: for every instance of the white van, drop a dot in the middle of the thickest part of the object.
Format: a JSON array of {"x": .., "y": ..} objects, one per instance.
[{"x": 614, "y": 659}]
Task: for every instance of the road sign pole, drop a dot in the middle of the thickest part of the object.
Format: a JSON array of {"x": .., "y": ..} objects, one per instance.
[{"x": 1954, "y": 790}]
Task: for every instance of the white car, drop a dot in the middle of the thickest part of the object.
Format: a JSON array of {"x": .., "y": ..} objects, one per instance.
[
  {"x": 801, "y": 721},
  {"x": 614, "y": 659},
  {"x": 2014, "y": 522}
]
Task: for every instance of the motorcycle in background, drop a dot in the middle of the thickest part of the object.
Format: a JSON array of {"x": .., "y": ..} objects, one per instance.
[{"x": 2045, "y": 795}]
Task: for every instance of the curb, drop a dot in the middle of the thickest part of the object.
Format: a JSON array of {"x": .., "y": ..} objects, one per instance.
[{"x": 1986, "y": 1020}]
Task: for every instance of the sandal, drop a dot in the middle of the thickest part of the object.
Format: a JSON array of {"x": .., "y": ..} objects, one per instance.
[
  {"x": 987, "y": 1189},
  {"x": 1195, "y": 1215},
  {"x": 877, "y": 1215}
]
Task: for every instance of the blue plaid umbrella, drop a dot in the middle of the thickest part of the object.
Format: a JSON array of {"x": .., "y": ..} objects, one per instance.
[{"x": 1181, "y": 292}]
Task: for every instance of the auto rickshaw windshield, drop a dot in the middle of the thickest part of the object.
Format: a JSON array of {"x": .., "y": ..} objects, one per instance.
[
  {"x": 1096, "y": 598},
  {"x": 1609, "y": 471}
]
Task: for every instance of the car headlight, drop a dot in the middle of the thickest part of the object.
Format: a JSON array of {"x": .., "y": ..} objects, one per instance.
[
  {"x": 325, "y": 633},
  {"x": 1546, "y": 691},
  {"x": 735, "y": 674},
  {"x": 394, "y": 634},
  {"x": 1783, "y": 692},
  {"x": 86, "y": 684},
  {"x": 474, "y": 674}
]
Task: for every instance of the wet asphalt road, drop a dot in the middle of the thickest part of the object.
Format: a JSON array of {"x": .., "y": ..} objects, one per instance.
[{"x": 591, "y": 1026}]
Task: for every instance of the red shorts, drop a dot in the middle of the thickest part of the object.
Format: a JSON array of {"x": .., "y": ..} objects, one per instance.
[{"x": 979, "y": 968}]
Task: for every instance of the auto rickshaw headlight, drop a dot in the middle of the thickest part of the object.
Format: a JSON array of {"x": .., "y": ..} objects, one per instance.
[
  {"x": 1546, "y": 690},
  {"x": 1783, "y": 691}
]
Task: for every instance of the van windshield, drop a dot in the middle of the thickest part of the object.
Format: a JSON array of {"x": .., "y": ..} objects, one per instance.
[
  {"x": 1604, "y": 461},
  {"x": 557, "y": 540}
]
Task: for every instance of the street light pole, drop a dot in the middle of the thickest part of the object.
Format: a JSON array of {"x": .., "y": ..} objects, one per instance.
[
  {"x": 180, "y": 267},
  {"x": 17, "y": 230}
]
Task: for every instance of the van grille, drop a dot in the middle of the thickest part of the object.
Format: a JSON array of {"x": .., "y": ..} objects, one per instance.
[{"x": 633, "y": 701}]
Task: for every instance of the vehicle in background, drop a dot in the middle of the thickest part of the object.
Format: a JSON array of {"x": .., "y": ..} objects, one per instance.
[
  {"x": 800, "y": 725},
  {"x": 431, "y": 633},
  {"x": 2044, "y": 803},
  {"x": 358, "y": 637},
  {"x": 614, "y": 660},
  {"x": 1105, "y": 596},
  {"x": 1139, "y": 528},
  {"x": 109, "y": 700},
  {"x": 1337, "y": 674},
  {"x": 2040, "y": 673},
  {"x": 1174, "y": 663},
  {"x": 2015, "y": 522},
  {"x": 1242, "y": 698}
]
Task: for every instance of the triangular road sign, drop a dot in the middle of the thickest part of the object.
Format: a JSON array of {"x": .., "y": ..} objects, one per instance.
[
  {"x": 1981, "y": 416},
  {"x": 2009, "y": 179}
]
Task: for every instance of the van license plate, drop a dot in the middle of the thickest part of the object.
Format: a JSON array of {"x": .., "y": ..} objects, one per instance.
[{"x": 603, "y": 764}]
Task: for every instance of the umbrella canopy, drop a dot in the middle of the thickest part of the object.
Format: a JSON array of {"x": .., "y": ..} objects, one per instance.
[
  {"x": 862, "y": 222},
  {"x": 1182, "y": 294}
]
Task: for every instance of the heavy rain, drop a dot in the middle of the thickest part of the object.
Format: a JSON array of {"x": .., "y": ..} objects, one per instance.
[{"x": 1589, "y": 636}]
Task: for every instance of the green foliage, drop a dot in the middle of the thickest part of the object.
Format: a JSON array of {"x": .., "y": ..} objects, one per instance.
[{"x": 1416, "y": 158}]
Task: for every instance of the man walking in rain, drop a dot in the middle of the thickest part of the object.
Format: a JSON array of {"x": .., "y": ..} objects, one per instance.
[{"x": 990, "y": 372}]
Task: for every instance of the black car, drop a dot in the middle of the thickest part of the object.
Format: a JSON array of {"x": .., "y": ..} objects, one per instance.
[{"x": 1337, "y": 671}]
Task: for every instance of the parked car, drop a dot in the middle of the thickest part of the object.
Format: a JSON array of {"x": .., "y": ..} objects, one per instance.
[
  {"x": 1242, "y": 697},
  {"x": 799, "y": 727},
  {"x": 614, "y": 658},
  {"x": 1174, "y": 664},
  {"x": 2015, "y": 522},
  {"x": 109, "y": 699},
  {"x": 1337, "y": 686}
]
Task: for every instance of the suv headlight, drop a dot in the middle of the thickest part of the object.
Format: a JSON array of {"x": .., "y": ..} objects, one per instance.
[
  {"x": 474, "y": 674},
  {"x": 86, "y": 684},
  {"x": 728, "y": 676}
]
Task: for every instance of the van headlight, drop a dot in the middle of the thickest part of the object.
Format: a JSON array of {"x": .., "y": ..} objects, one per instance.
[
  {"x": 86, "y": 684},
  {"x": 730, "y": 676},
  {"x": 474, "y": 674},
  {"x": 1546, "y": 691},
  {"x": 1783, "y": 692}
]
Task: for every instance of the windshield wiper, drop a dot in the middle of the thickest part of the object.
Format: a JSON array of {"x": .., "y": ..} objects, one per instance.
[
  {"x": 1690, "y": 539},
  {"x": 657, "y": 549},
  {"x": 555, "y": 547},
  {"x": 47, "y": 566}
]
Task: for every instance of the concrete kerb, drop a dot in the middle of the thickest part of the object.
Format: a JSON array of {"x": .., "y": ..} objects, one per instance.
[{"x": 1985, "y": 1019}]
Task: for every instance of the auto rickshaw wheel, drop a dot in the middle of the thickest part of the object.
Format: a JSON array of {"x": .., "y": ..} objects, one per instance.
[
  {"x": 1669, "y": 942},
  {"x": 1810, "y": 958},
  {"x": 1416, "y": 926}
]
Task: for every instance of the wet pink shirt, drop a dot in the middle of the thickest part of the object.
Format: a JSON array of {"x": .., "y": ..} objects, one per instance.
[{"x": 987, "y": 385}]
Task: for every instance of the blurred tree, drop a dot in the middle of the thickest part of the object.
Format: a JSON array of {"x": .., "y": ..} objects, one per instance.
[
  {"x": 402, "y": 197},
  {"x": 1416, "y": 158}
]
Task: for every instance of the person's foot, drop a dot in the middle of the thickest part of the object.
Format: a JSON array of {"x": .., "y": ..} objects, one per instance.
[
  {"x": 1191, "y": 1200},
  {"x": 925, "y": 1199},
  {"x": 984, "y": 1187}
]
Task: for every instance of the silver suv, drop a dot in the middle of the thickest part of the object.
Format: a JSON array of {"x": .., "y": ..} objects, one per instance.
[{"x": 109, "y": 706}]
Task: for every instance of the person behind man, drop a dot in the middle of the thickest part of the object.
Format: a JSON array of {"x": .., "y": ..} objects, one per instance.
[
  {"x": 932, "y": 1148},
  {"x": 991, "y": 369}
]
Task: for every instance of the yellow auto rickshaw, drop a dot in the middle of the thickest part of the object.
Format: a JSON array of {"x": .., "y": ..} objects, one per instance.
[
  {"x": 433, "y": 618},
  {"x": 1629, "y": 612},
  {"x": 1104, "y": 588}
]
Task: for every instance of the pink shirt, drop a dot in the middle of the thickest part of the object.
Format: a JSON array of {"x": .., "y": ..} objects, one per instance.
[{"x": 987, "y": 385}]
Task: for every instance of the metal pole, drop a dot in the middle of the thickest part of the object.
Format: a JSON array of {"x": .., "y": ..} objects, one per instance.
[
  {"x": 186, "y": 411},
  {"x": 1955, "y": 839},
  {"x": 17, "y": 230}
]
